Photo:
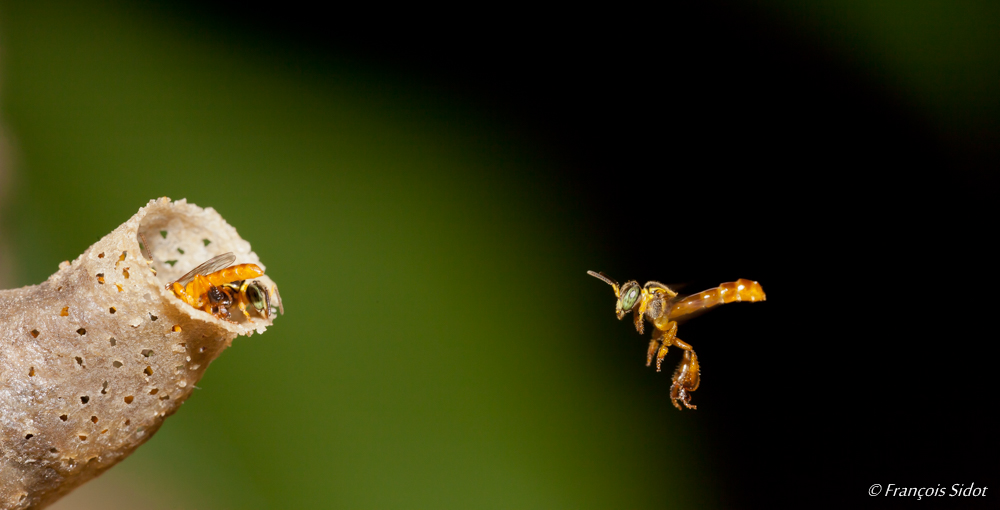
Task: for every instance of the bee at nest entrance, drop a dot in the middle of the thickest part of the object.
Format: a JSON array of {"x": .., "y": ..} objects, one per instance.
[{"x": 214, "y": 287}]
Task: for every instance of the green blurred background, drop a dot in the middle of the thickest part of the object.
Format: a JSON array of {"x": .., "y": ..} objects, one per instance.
[{"x": 429, "y": 201}]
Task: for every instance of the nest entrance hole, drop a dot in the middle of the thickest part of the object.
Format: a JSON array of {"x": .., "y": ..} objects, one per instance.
[{"x": 179, "y": 239}]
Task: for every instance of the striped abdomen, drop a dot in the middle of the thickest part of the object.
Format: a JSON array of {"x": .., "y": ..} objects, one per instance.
[
  {"x": 235, "y": 273},
  {"x": 740, "y": 290}
]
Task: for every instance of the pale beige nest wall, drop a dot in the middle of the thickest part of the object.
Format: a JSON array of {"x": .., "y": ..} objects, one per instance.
[{"x": 93, "y": 359}]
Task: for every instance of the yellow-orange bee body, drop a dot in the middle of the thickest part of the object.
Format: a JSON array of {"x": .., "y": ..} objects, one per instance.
[
  {"x": 214, "y": 286},
  {"x": 658, "y": 304}
]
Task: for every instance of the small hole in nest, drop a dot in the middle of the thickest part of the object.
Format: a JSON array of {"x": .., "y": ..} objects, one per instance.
[
  {"x": 117, "y": 364},
  {"x": 84, "y": 399},
  {"x": 148, "y": 370},
  {"x": 104, "y": 388},
  {"x": 176, "y": 329},
  {"x": 113, "y": 341},
  {"x": 180, "y": 251},
  {"x": 165, "y": 397},
  {"x": 112, "y": 309},
  {"x": 64, "y": 312},
  {"x": 31, "y": 372},
  {"x": 152, "y": 317},
  {"x": 128, "y": 422},
  {"x": 163, "y": 233},
  {"x": 206, "y": 241},
  {"x": 154, "y": 391},
  {"x": 119, "y": 287},
  {"x": 100, "y": 278},
  {"x": 63, "y": 417},
  {"x": 79, "y": 361},
  {"x": 171, "y": 262},
  {"x": 83, "y": 437},
  {"x": 29, "y": 436},
  {"x": 147, "y": 352},
  {"x": 93, "y": 419},
  {"x": 125, "y": 273},
  {"x": 129, "y": 399},
  {"x": 35, "y": 333},
  {"x": 100, "y": 255},
  {"x": 54, "y": 450},
  {"x": 82, "y": 331}
]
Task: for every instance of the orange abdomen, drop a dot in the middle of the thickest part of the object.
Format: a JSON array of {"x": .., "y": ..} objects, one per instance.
[
  {"x": 740, "y": 290},
  {"x": 200, "y": 284},
  {"x": 235, "y": 273}
]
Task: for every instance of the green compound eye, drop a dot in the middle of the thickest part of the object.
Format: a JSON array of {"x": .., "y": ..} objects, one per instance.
[
  {"x": 630, "y": 297},
  {"x": 258, "y": 298}
]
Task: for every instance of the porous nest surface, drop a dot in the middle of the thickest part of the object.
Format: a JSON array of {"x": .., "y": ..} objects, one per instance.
[{"x": 93, "y": 359}]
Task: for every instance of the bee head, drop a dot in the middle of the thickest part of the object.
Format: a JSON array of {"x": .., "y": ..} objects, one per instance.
[
  {"x": 259, "y": 298},
  {"x": 628, "y": 298}
]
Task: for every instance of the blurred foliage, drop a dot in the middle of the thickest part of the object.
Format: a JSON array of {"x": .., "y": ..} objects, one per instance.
[
  {"x": 939, "y": 57},
  {"x": 436, "y": 350},
  {"x": 443, "y": 346}
]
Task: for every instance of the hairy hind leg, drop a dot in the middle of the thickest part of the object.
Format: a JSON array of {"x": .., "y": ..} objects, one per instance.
[{"x": 687, "y": 377}]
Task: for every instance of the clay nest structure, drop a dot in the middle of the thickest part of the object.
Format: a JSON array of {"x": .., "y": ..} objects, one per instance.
[{"x": 96, "y": 357}]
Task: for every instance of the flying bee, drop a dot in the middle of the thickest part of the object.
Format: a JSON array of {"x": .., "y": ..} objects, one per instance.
[
  {"x": 214, "y": 286},
  {"x": 662, "y": 307}
]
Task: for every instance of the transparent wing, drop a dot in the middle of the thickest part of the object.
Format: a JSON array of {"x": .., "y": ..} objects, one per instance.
[
  {"x": 209, "y": 266},
  {"x": 659, "y": 288},
  {"x": 281, "y": 308}
]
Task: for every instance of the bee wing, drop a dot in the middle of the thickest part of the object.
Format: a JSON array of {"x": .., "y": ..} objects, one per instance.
[
  {"x": 209, "y": 266},
  {"x": 688, "y": 316},
  {"x": 659, "y": 288},
  {"x": 281, "y": 308}
]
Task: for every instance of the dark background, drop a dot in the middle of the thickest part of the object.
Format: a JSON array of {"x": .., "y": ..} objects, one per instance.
[
  {"x": 714, "y": 140},
  {"x": 844, "y": 157}
]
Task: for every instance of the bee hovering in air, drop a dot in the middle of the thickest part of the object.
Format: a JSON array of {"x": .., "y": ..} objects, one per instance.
[
  {"x": 662, "y": 307},
  {"x": 214, "y": 286}
]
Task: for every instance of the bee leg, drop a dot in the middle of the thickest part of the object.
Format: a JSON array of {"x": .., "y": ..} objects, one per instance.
[
  {"x": 654, "y": 344},
  {"x": 241, "y": 300},
  {"x": 669, "y": 338},
  {"x": 184, "y": 296},
  {"x": 637, "y": 319},
  {"x": 687, "y": 377},
  {"x": 219, "y": 311}
]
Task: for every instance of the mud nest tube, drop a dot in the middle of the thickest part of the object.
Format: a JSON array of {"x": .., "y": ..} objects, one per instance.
[{"x": 93, "y": 359}]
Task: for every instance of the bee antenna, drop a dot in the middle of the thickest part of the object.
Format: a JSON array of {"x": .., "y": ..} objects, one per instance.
[
  {"x": 604, "y": 278},
  {"x": 145, "y": 247}
]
